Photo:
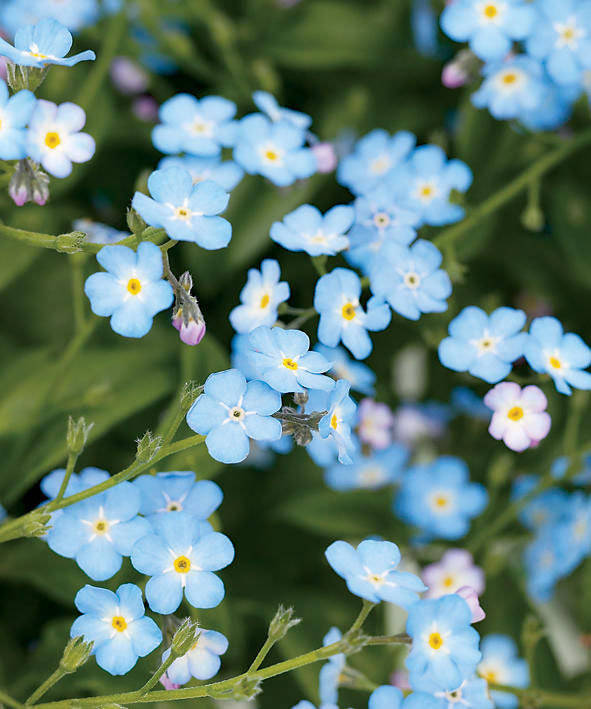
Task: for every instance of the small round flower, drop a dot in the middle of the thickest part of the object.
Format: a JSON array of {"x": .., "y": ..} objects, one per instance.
[
  {"x": 500, "y": 664},
  {"x": 230, "y": 412},
  {"x": 202, "y": 661},
  {"x": 42, "y": 44},
  {"x": 370, "y": 572},
  {"x": 187, "y": 212},
  {"x": 375, "y": 422},
  {"x": 484, "y": 345},
  {"x": 331, "y": 672},
  {"x": 15, "y": 112},
  {"x": 326, "y": 157},
  {"x": 193, "y": 126},
  {"x": 132, "y": 291},
  {"x": 471, "y": 694},
  {"x": 455, "y": 569},
  {"x": 368, "y": 472},
  {"x": 177, "y": 492},
  {"x": 226, "y": 173},
  {"x": 520, "y": 419},
  {"x": 116, "y": 624},
  {"x": 306, "y": 229},
  {"x": 260, "y": 298},
  {"x": 54, "y": 138},
  {"x": 181, "y": 556},
  {"x": 336, "y": 424}
]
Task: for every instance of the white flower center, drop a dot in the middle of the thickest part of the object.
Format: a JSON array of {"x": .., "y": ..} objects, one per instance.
[
  {"x": 568, "y": 34},
  {"x": 380, "y": 165}
]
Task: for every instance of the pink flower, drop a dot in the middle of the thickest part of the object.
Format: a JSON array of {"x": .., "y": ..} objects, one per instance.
[
  {"x": 375, "y": 424},
  {"x": 326, "y": 156},
  {"x": 128, "y": 76},
  {"x": 471, "y": 598},
  {"x": 455, "y": 570},
  {"x": 145, "y": 108},
  {"x": 519, "y": 418},
  {"x": 453, "y": 75},
  {"x": 168, "y": 683},
  {"x": 192, "y": 332},
  {"x": 399, "y": 678}
]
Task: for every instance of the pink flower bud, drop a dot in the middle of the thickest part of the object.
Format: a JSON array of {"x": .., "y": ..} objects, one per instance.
[
  {"x": 471, "y": 598},
  {"x": 19, "y": 194},
  {"x": 453, "y": 76},
  {"x": 128, "y": 77},
  {"x": 192, "y": 331},
  {"x": 168, "y": 683},
  {"x": 146, "y": 109},
  {"x": 399, "y": 679},
  {"x": 326, "y": 156}
]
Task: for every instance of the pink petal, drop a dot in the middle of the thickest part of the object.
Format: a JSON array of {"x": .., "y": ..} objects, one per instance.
[{"x": 533, "y": 398}]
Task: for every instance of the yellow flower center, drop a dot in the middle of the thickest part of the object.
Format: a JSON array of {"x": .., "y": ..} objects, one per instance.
[
  {"x": 490, "y": 11},
  {"x": 555, "y": 362},
  {"x": 101, "y": 526},
  {"x": 265, "y": 300},
  {"x": 426, "y": 191},
  {"x": 334, "y": 422},
  {"x": 134, "y": 286},
  {"x": 52, "y": 140},
  {"x": 448, "y": 581},
  {"x": 271, "y": 155},
  {"x": 119, "y": 623},
  {"x": 182, "y": 565},
  {"x": 289, "y": 363},
  {"x": 348, "y": 311},
  {"x": 380, "y": 165},
  {"x": 490, "y": 676},
  {"x": 182, "y": 213},
  {"x": 435, "y": 641},
  {"x": 441, "y": 501},
  {"x": 509, "y": 78},
  {"x": 515, "y": 413}
]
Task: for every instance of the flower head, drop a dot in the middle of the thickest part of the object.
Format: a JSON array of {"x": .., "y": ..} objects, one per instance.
[
  {"x": 260, "y": 297},
  {"x": 455, "y": 569},
  {"x": 202, "y": 661},
  {"x": 15, "y": 112},
  {"x": 374, "y": 426},
  {"x": 500, "y": 664},
  {"x": 306, "y": 229},
  {"x": 267, "y": 103},
  {"x": 368, "y": 472},
  {"x": 336, "y": 424},
  {"x": 225, "y": 172},
  {"x": 178, "y": 492}
]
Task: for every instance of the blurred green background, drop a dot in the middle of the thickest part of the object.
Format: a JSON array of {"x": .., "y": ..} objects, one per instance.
[{"x": 353, "y": 66}]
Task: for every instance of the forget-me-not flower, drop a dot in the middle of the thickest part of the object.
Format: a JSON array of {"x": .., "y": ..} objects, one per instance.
[
  {"x": 181, "y": 556},
  {"x": 267, "y": 103},
  {"x": 368, "y": 472},
  {"x": 331, "y": 672},
  {"x": 74, "y": 14},
  {"x": 186, "y": 211},
  {"x": 374, "y": 424},
  {"x": 132, "y": 290},
  {"x": 484, "y": 345},
  {"x": 260, "y": 298},
  {"x": 203, "y": 659},
  {"x": 15, "y": 112},
  {"x": 454, "y": 570},
  {"x": 388, "y": 697},
  {"x": 501, "y": 664},
  {"x": 225, "y": 172},
  {"x": 230, "y": 412},
  {"x": 337, "y": 422},
  {"x": 342, "y": 318},
  {"x": 306, "y": 229},
  {"x": 177, "y": 492},
  {"x": 370, "y": 571},
  {"x": 117, "y": 625}
]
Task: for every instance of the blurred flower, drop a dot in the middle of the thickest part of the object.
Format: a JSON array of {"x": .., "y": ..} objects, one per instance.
[
  {"x": 128, "y": 76},
  {"x": 374, "y": 424}
]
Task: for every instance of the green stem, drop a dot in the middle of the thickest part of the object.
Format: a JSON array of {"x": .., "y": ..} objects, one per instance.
[
  {"x": 519, "y": 184},
  {"x": 9, "y": 701},
  {"x": 366, "y": 609},
  {"x": 72, "y": 458},
  {"x": 76, "y": 264},
  {"x": 263, "y": 652},
  {"x": 544, "y": 698},
  {"x": 155, "y": 678},
  {"x": 303, "y": 318},
  {"x": 54, "y": 678}
]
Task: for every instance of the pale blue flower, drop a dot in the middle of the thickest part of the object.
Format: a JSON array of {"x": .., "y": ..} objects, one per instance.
[
  {"x": 15, "y": 112},
  {"x": 369, "y": 472},
  {"x": 176, "y": 492},
  {"x": 202, "y": 661},
  {"x": 260, "y": 298},
  {"x": 336, "y": 424},
  {"x": 500, "y": 664},
  {"x": 306, "y": 229},
  {"x": 225, "y": 172}
]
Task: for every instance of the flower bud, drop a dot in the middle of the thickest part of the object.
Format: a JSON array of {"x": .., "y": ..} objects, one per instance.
[
  {"x": 147, "y": 447},
  {"x": 77, "y": 435},
  {"x": 471, "y": 598},
  {"x": 134, "y": 222},
  {"x": 36, "y": 524},
  {"x": 128, "y": 77},
  {"x": 326, "y": 157},
  {"x": 70, "y": 243},
  {"x": 167, "y": 683},
  {"x": 185, "y": 637},
  {"x": 282, "y": 623},
  {"x": 192, "y": 331},
  {"x": 187, "y": 317},
  {"x": 76, "y": 653},
  {"x": 190, "y": 393},
  {"x": 28, "y": 184},
  {"x": 460, "y": 70},
  {"x": 24, "y": 77}
]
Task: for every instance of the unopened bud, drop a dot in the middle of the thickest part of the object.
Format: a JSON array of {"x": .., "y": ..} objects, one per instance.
[
  {"x": 186, "y": 281},
  {"x": 147, "y": 447},
  {"x": 282, "y": 622},
  {"x": 77, "y": 435},
  {"x": 167, "y": 683},
  {"x": 185, "y": 637},
  {"x": 461, "y": 69},
  {"x": 24, "y": 77},
  {"x": 29, "y": 183},
  {"x": 70, "y": 243},
  {"x": 37, "y": 523},
  {"x": 191, "y": 331},
  {"x": 187, "y": 317},
  {"x": 135, "y": 223},
  {"x": 76, "y": 653},
  {"x": 245, "y": 690},
  {"x": 326, "y": 157},
  {"x": 533, "y": 218}
]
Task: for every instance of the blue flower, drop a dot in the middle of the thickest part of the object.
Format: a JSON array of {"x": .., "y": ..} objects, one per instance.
[
  {"x": 267, "y": 103},
  {"x": 484, "y": 345},
  {"x": 203, "y": 659},
  {"x": 424, "y": 182},
  {"x": 54, "y": 138},
  {"x": 42, "y": 44},
  {"x": 181, "y": 557},
  {"x": 99, "y": 531},
  {"x": 371, "y": 472},
  {"x": 98, "y": 233},
  {"x": 336, "y": 424},
  {"x": 553, "y": 109},
  {"x": 562, "y": 356},
  {"x": 306, "y": 229},
  {"x": 359, "y": 375},
  {"x": 374, "y": 158},
  {"x": 132, "y": 291},
  {"x": 387, "y": 697},
  {"x": 282, "y": 360},
  {"x": 424, "y": 28},
  {"x": 410, "y": 279},
  {"x": 560, "y": 38},
  {"x": 439, "y": 498},
  {"x": 74, "y": 14},
  {"x": 330, "y": 673},
  {"x": 273, "y": 149},
  {"x": 240, "y": 356},
  {"x": 512, "y": 89},
  {"x": 116, "y": 624},
  {"x": 546, "y": 508},
  {"x": 370, "y": 572},
  {"x": 260, "y": 298},
  {"x": 471, "y": 694},
  {"x": 186, "y": 211},
  {"x": 226, "y": 173},
  {"x": 176, "y": 492},
  {"x": 15, "y": 113},
  {"x": 197, "y": 127},
  {"x": 324, "y": 451},
  {"x": 230, "y": 411},
  {"x": 444, "y": 648},
  {"x": 336, "y": 299},
  {"x": 490, "y": 27},
  {"x": 501, "y": 664}
]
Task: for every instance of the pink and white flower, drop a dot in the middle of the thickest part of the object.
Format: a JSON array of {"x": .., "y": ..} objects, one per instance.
[
  {"x": 520, "y": 419},
  {"x": 455, "y": 570},
  {"x": 375, "y": 424}
]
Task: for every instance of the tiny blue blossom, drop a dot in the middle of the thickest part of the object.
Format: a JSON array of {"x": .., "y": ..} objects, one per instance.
[
  {"x": 225, "y": 172},
  {"x": 187, "y": 212},
  {"x": 444, "y": 649},
  {"x": 267, "y": 103},
  {"x": 388, "y": 697},
  {"x": 336, "y": 424},
  {"x": 274, "y": 150},
  {"x": 410, "y": 279},
  {"x": 439, "y": 498},
  {"x": 240, "y": 356},
  {"x": 471, "y": 694},
  {"x": 202, "y": 661},
  {"x": 116, "y": 625},
  {"x": 132, "y": 291},
  {"x": 325, "y": 451},
  {"x": 306, "y": 229},
  {"x": 193, "y": 126},
  {"x": 359, "y": 375},
  {"x": 15, "y": 112},
  {"x": 500, "y": 664},
  {"x": 176, "y": 492},
  {"x": 230, "y": 412},
  {"x": 370, "y": 571},
  {"x": 98, "y": 233},
  {"x": 489, "y": 27},
  {"x": 342, "y": 318},
  {"x": 281, "y": 358},
  {"x": 99, "y": 531},
  {"x": 369, "y": 472},
  {"x": 563, "y": 356},
  {"x": 260, "y": 298},
  {"x": 42, "y": 44},
  {"x": 484, "y": 345},
  {"x": 330, "y": 673},
  {"x": 74, "y": 14},
  {"x": 373, "y": 159},
  {"x": 181, "y": 555}
]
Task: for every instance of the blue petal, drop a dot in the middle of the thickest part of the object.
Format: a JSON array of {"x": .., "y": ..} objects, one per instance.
[{"x": 204, "y": 589}]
